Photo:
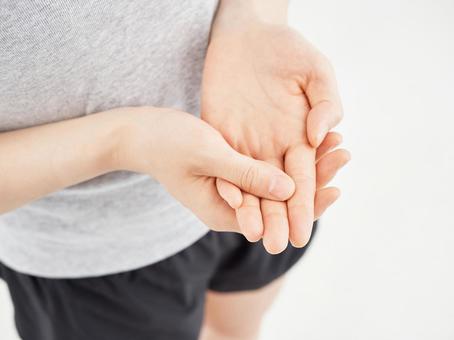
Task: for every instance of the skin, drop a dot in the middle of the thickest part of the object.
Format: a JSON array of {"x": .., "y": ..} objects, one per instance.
[
  {"x": 188, "y": 156},
  {"x": 181, "y": 151},
  {"x": 224, "y": 312},
  {"x": 226, "y": 321},
  {"x": 274, "y": 97},
  {"x": 264, "y": 88}
]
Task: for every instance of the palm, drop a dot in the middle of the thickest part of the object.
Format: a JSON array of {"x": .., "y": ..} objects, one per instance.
[
  {"x": 246, "y": 87},
  {"x": 251, "y": 97},
  {"x": 278, "y": 116}
]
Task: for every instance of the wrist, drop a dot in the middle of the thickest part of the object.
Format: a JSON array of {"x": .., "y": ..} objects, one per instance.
[
  {"x": 236, "y": 15},
  {"x": 113, "y": 126},
  {"x": 123, "y": 151},
  {"x": 138, "y": 135}
]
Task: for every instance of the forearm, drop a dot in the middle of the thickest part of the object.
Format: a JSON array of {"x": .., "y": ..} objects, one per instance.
[
  {"x": 39, "y": 160},
  {"x": 234, "y": 13}
]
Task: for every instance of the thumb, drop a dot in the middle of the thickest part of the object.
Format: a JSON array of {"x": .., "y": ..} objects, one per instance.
[
  {"x": 253, "y": 176},
  {"x": 324, "y": 99}
]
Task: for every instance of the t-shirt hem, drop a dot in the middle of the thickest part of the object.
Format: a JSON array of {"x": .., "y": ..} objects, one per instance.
[{"x": 140, "y": 258}]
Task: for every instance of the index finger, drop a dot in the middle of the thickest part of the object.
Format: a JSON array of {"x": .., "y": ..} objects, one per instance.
[{"x": 300, "y": 165}]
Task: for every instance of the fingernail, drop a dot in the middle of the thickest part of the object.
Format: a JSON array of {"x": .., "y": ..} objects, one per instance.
[{"x": 281, "y": 187}]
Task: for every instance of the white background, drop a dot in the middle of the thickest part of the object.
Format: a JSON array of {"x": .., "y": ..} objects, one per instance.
[{"x": 383, "y": 260}]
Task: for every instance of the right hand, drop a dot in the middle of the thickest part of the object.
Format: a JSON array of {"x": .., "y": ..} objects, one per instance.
[{"x": 186, "y": 155}]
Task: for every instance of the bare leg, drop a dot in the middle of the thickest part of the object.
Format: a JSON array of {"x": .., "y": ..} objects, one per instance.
[{"x": 237, "y": 316}]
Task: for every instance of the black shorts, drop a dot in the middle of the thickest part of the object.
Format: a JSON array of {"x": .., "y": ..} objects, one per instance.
[{"x": 163, "y": 301}]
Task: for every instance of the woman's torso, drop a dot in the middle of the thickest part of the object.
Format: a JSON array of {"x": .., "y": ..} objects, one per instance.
[{"x": 65, "y": 59}]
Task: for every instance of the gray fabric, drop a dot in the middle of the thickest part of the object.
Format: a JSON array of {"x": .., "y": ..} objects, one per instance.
[{"x": 67, "y": 58}]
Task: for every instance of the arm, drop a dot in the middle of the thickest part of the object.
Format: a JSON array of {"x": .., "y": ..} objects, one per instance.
[
  {"x": 39, "y": 160},
  {"x": 181, "y": 151},
  {"x": 234, "y": 13}
]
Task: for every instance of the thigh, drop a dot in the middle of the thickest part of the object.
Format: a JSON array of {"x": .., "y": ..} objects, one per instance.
[
  {"x": 246, "y": 266},
  {"x": 246, "y": 281},
  {"x": 163, "y": 301},
  {"x": 238, "y": 315}
]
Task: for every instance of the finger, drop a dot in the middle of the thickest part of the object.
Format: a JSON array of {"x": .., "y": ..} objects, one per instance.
[
  {"x": 247, "y": 208},
  {"x": 329, "y": 164},
  {"x": 275, "y": 220},
  {"x": 276, "y": 226},
  {"x": 249, "y": 218},
  {"x": 326, "y": 108},
  {"x": 220, "y": 216},
  {"x": 300, "y": 165},
  {"x": 332, "y": 140},
  {"x": 323, "y": 199},
  {"x": 230, "y": 193},
  {"x": 250, "y": 175}
]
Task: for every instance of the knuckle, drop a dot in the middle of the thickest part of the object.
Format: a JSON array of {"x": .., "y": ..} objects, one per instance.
[
  {"x": 302, "y": 177},
  {"x": 273, "y": 215},
  {"x": 249, "y": 207},
  {"x": 249, "y": 178}
]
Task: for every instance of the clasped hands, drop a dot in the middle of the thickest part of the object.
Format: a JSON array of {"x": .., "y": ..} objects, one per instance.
[
  {"x": 259, "y": 159},
  {"x": 274, "y": 97}
]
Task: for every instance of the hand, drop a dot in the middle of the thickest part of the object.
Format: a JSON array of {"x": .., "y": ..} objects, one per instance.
[
  {"x": 264, "y": 86},
  {"x": 327, "y": 164},
  {"x": 185, "y": 155}
]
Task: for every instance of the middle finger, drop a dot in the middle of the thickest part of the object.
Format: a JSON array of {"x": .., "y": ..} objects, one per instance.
[{"x": 275, "y": 220}]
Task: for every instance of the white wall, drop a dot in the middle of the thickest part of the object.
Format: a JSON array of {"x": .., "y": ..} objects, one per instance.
[{"x": 382, "y": 264}]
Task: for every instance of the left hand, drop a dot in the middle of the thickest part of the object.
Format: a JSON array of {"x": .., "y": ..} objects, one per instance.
[{"x": 273, "y": 97}]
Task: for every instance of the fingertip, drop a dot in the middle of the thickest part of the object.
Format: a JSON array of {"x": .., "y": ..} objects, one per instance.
[
  {"x": 252, "y": 237},
  {"x": 275, "y": 245},
  {"x": 316, "y": 136},
  {"x": 336, "y": 138},
  {"x": 281, "y": 187},
  {"x": 348, "y": 155},
  {"x": 335, "y": 194},
  {"x": 316, "y": 129},
  {"x": 302, "y": 240},
  {"x": 253, "y": 231},
  {"x": 345, "y": 156},
  {"x": 320, "y": 136},
  {"x": 230, "y": 193},
  {"x": 300, "y": 229},
  {"x": 324, "y": 199},
  {"x": 236, "y": 200},
  {"x": 249, "y": 219}
]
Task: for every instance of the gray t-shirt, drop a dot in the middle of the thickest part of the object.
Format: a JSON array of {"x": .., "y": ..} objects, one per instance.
[{"x": 70, "y": 58}]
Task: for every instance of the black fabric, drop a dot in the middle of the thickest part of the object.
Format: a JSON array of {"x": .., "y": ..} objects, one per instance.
[{"x": 163, "y": 301}]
